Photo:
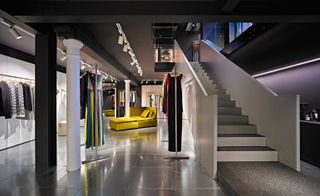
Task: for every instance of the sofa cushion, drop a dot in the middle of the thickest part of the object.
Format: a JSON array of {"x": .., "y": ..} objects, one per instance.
[
  {"x": 145, "y": 113},
  {"x": 150, "y": 113},
  {"x": 139, "y": 118},
  {"x": 123, "y": 120}
]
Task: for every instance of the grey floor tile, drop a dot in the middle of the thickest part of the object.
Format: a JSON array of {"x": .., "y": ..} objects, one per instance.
[
  {"x": 200, "y": 192},
  {"x": 159, "y": 178},
  {"x": 193, "y": 178},
  {"x": 135, "y": 166},
  {"x": 149, "y": 192}
]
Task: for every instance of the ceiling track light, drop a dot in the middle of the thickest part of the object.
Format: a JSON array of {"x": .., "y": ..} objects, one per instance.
[
  {"x": 10, "y": 25},
  {"x": 125, "y": 48},
  {"x": 122, "y": 40},
  {"x": 15, "y": 33},
  {"x": 131, "y": 52}
]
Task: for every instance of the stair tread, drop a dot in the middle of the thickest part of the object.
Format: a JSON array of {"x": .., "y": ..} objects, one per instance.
[
  {"x": 245, "y": 148},
  {"x": 239, "y": 135},
  {"x": 249, "y": 125},
  {"x": 232, "y": 115}
]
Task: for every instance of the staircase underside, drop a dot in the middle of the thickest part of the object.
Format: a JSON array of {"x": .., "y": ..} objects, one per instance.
[{"x": 264, "y": 178}]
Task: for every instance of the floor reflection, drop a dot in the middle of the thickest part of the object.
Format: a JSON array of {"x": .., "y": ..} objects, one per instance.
[{"x": 135, "y": 165}]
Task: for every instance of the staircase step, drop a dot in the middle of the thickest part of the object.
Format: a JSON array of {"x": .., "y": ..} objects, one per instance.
[
  {"x": 226, "y": 103},
  {"x": 232, "y": 119},
  {"x": 224, "y": 97},
  {"x": 246, "y": 153},
  {"x": 213, "y": 90},
  {"x": 237, "y": 129},
  {"x": 229, "y": 110},
  {"x": 241, "y": 140}
]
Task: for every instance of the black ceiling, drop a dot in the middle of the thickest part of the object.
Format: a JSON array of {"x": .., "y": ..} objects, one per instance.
[
  {"x": 284, "y": 44},
  {"x": 164, "y": 10}
]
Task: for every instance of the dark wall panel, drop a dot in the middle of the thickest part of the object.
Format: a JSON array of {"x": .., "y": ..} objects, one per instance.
[{"x": 304, "y": 80}]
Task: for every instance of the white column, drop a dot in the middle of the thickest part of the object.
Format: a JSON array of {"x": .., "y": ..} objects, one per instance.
[
  {"x": 127, "y": 101},
  {"x": 73, "y": 103}
]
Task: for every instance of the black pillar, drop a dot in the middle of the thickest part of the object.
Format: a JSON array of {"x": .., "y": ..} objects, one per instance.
[
  {"x": 45, "y": 101},
  {"x": 226, "y": 34}
]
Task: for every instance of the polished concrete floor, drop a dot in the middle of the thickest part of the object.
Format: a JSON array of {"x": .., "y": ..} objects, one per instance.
[{"x": 134, "y": 164}]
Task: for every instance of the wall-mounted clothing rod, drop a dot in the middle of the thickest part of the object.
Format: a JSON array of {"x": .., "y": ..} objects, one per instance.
[{"x": 17, "y": 77}]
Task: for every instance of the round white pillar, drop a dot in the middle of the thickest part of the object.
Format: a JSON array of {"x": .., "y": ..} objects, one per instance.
[
  {"x": 73, "y": 103},
  {"x": 127, "y": 96}
]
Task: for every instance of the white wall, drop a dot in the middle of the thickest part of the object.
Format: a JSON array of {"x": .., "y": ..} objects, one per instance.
[
  {"x": 276, "y": 117},
  {"x": 61, "y": 97},
  {"x": 16, "y": 131},
  {"x": 201, "y": 111},
  {"x": 145, "y": 89},
  {"x": 149, "y": 89}
]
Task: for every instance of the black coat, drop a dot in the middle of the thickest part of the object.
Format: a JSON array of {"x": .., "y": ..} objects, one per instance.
[{"x": 5, "y": 104}]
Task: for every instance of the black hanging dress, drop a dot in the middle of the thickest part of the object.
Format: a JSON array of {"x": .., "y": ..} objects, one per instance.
[{"x": 171, "y": 112}]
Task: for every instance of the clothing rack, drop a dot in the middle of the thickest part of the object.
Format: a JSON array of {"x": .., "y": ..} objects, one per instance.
[
  {"x": 176, "y": 157},
  {"x": 96, "y": 157}
]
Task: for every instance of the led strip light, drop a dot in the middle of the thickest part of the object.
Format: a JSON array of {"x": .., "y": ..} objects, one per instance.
[{"x": 285, "y": 68}]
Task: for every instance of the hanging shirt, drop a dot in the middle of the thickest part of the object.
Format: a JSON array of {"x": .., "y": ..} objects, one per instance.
[
  {"x": 19, "y": 101},
  {"x": 13, "y": 101},
  {"x": 5, "y": 100},
  {"x": 27, "y": 97}
]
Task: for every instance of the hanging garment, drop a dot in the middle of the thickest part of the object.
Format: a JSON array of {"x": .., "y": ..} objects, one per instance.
[
  {"x": 94, "y": 114},
  {"x": 171, "y": 112},
  {"x": 83, "y": 95},
  {"x": 163, "y": 96},
  {"x": 21, "y": 113},
  {"x": 5, "y": 101},
  {"x": 33, "y": 98},
  {"x": 27, "y": 97},
  {"x": 13, "y": 99}
]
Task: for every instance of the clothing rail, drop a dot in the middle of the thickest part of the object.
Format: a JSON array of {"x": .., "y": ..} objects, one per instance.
[{"x": 18, "y": 77}]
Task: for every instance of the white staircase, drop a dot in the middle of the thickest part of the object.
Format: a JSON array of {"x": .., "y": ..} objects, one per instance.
[{"x": 237, "y": 139}]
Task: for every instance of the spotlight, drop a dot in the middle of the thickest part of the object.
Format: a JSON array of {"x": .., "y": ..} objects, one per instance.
[
  {"x": 63, "y": 58},
  {"x": 154, "y": 82},
  {"x": 125, "y": 48},
  {"x": 147, "y": 82},
  {"x": 130, "y": 52},
  {"x": 15, "y": 33},
  {"x": 120, "y": 40}
]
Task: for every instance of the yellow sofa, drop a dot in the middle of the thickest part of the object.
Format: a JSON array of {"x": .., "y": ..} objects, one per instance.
[
  {"x": 108, "y": 112},
  {"x": 135, "y": 120}
]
